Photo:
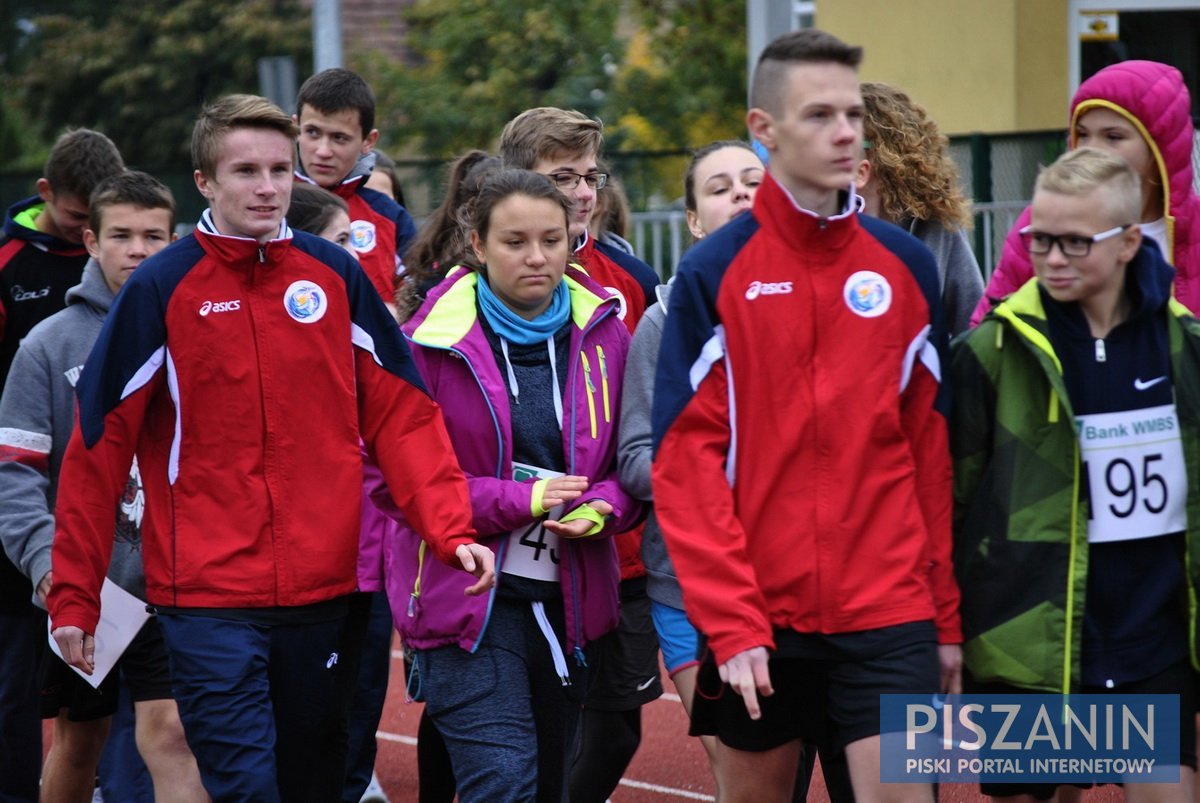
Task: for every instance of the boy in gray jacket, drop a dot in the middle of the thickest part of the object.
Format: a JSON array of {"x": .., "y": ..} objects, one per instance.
[{"x": 132, "y": 216}]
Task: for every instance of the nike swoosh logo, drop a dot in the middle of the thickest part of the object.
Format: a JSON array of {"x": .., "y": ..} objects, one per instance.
[
  {"x": 644, "y": 686},
  {"x": 1138, "y": 384}
]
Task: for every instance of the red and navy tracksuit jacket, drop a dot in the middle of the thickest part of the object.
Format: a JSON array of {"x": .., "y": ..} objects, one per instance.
[
  {"x": 243, "y": 376},
  {"x": 802, "y": 473},
  {"x": 381, "y": 230}
]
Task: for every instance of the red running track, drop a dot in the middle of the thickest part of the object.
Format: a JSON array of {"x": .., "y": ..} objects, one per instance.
[{"x": 670, "y": 766}]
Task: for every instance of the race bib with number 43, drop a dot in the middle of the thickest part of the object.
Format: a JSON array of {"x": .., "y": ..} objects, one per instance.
[{"x": 532, "y": 550}]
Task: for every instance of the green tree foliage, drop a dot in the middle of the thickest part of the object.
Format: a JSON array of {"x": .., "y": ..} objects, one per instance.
[
  {"x": 475, "y": 64},
  {"x": 684, "y": 83},
  {"x": 141, "y": 72}
]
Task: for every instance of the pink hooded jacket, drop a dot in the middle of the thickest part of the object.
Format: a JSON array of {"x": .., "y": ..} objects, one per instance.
[{"x": 1154, "y": 98}]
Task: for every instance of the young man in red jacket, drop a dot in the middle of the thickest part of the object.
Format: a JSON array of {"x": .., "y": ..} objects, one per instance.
[
  {"x": 336, "y": 113},
  {"x": 244, "y": 365},
  {"x": 802, "y": 472}
]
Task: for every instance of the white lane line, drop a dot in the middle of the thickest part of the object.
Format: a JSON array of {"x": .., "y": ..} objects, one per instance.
[
  {"x": 649, "y": 787},
  {"x": 669, "y": 696},
  {"x": 396, "y": 737},
  {"x": 666, "y": 790}
]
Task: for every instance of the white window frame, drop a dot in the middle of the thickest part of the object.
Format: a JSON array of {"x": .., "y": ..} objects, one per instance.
[{"x": 1074, "y": 29}]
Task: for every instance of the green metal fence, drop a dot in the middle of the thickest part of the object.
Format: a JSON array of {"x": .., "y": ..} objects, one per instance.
[{"x": 997, "y": 171}]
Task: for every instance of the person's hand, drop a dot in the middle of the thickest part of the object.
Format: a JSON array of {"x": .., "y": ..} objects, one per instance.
[
  {"x": 43, "y": 588},
  {"x": 479, "y": 561},
  {"x": 747, "y": 674},
  {"x": 577, "y": 528},
  {"x": 78, "y": 648},
  {"x": 950, "y": 660},
  {"x": 561, "y": 490}
]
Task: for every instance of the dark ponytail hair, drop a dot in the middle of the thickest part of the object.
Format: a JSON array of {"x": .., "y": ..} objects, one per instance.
[{"x": 442, "y": 242}]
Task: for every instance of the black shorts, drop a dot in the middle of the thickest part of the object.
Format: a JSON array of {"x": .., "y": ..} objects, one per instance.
[
  {"x": 627, "y": 674},
  {"x": 1176, "y": 679},
  {"x": 144, "y": 665},
  {"x": 827, "y": 687}
]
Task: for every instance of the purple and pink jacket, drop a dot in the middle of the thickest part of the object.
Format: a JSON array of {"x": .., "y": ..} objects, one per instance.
[
  {"x": 455, "y": 359},
  {"x": 1154, "y": 98}
]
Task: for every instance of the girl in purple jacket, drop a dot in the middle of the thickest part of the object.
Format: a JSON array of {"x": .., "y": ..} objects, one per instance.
[{"x": 526, "y": 356}]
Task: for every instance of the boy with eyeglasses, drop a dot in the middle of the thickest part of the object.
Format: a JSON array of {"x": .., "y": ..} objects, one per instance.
[
  {"x": 565, "y": 145},
  {"x": 1068, "y": 520}
]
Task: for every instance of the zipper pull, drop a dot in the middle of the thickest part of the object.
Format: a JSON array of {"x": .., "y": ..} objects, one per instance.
[
  {"x": 579, "y": 657},
  {"x": 587, "y": 373},
  {"x": 604, "y": 383},
  {"x": 262, "y": 255},
  {"x": 412, "y": 604},
  {"x": 1101, "y": 355}
]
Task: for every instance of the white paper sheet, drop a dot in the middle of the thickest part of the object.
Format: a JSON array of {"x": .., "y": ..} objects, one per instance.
[{"x": 121, "y": 617}]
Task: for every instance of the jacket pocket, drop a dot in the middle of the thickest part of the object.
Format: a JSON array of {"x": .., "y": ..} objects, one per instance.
[
  {"x": 590, "y": 385},
  {"x": 604, "y": 383}
]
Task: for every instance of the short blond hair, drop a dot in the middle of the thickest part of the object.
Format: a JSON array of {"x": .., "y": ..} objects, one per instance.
[
  {"x": 228, "y": 113},
  {"x": 1085, "y": 170},
  {"x": 548, "y": 133}
]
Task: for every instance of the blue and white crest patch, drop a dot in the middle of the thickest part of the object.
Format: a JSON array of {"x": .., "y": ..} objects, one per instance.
[
  {"x": 867, "y": 293},
  {"x": 305, "y": 301},
  {"x": 362, "y": 236}
]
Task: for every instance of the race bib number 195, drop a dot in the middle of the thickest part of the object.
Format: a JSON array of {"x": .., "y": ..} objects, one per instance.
[{"x": 1137, "y": 480}]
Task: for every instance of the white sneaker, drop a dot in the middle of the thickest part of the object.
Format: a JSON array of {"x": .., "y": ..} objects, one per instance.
[{"x": 374, "y": 792}]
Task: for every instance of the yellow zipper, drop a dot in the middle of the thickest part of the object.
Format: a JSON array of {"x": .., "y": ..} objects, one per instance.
[
  {"x": 591, "y": 392},
  {"x": 604, "y": 383},
  {"x": 416, "y": 592},
  {"x": 1070, "y": 608}
]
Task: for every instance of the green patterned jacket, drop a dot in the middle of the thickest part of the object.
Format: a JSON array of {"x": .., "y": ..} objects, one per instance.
[{"x": 1020, "y": 523}]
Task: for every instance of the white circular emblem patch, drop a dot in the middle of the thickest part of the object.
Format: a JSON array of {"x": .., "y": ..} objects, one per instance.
[
  {"x": 305, "y": 301},
  {"x": 362, "y": 236},
  {"x": 867, "y": 294}
]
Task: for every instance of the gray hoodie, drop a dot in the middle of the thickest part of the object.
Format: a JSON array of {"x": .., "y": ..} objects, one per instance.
[
  {"x": 958, "y": 271},
  {"x": 37, "y": 414},
  {"x": 635, "y": 450}
]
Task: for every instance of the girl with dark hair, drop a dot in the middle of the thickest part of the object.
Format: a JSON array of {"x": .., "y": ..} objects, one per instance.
[
  {"x": 526, "y": 355},
  {"x": 320, "y": 212}
]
